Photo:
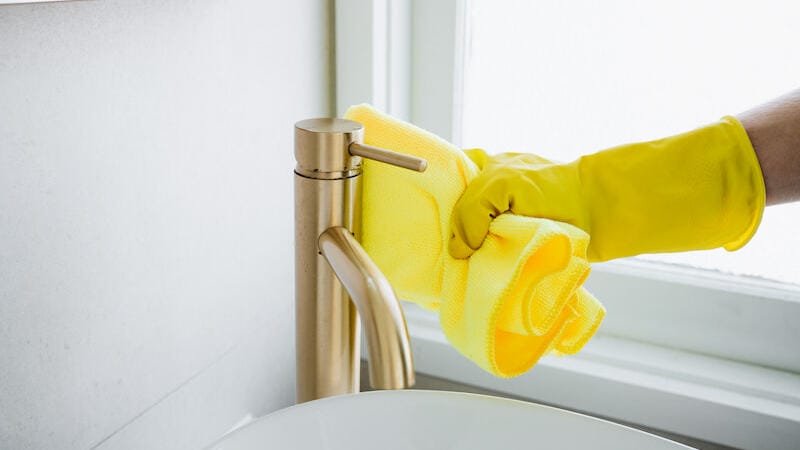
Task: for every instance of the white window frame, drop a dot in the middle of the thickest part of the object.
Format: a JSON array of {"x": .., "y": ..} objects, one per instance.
[
  {"x": 403, "y": 57},
  {"x": 694, "y": 352}
]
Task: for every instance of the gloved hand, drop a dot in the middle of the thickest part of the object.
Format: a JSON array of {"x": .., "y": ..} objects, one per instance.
[{"x": 698, "y": 190}]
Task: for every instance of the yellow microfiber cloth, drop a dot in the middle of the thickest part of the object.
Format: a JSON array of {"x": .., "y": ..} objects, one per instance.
[{"x": 518, "y": 297}]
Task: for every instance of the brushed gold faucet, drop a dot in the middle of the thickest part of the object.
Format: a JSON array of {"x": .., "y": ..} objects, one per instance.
[{"x": 331, "y": 267}]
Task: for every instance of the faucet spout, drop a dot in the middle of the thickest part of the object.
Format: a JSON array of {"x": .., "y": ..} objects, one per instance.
[{"x": 390, "y": 360}]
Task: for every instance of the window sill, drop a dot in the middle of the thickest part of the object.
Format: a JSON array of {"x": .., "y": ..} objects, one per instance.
[
  {"x": 700, "y": 311},
  {"x": 707, "y": 398}
]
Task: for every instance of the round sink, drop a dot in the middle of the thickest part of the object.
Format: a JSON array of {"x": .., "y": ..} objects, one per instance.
[{"x": 433, "y": 420}]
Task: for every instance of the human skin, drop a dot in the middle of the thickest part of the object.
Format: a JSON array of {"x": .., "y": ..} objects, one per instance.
[{"x": 774, "y": 131}]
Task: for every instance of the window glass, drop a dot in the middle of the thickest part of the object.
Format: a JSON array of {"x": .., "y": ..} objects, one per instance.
[{"x": 563, "y": 79}]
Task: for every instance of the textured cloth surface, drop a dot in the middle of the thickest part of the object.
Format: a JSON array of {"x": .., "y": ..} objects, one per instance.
[{"x": 518, "y": 297}]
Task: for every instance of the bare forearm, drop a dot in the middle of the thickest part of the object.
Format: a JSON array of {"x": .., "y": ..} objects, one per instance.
[{"x": 774, "y": 130}]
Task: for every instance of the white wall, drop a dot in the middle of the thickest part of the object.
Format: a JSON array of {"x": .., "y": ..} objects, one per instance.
[{"x": 146, "y": 294}]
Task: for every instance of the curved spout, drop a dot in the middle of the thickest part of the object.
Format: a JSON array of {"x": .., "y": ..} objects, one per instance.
[{"x": 390, "y": 363}]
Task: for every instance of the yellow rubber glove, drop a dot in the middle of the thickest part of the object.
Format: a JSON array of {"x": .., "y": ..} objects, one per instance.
[{"x": 698, "y": 190}]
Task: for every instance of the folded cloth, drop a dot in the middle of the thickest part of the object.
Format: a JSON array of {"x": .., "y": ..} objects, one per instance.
[{"x": 518, "y": 297}]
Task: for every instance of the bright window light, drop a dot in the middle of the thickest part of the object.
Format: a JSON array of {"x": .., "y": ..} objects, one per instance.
[{"x": 562, "y": 79}]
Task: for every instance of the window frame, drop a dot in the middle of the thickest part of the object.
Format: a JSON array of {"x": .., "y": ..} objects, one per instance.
[{"x": 736, "y": 343}]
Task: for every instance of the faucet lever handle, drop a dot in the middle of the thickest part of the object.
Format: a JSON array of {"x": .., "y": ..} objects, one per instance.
[{"x": 388, "y": 157}]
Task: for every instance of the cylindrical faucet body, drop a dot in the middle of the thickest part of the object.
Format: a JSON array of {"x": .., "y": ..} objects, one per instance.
[
  {"x": 327, "y": 190},
  {"x": 331, "y": 267}
]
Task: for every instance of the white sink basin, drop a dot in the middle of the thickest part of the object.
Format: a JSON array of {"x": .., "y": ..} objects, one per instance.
[{"x": 433, "y": 420}]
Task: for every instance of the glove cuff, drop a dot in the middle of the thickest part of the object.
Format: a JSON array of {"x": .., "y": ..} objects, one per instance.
[
  {"x": 698, "y": 190},
  {"x": 752, "y": 190}
]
